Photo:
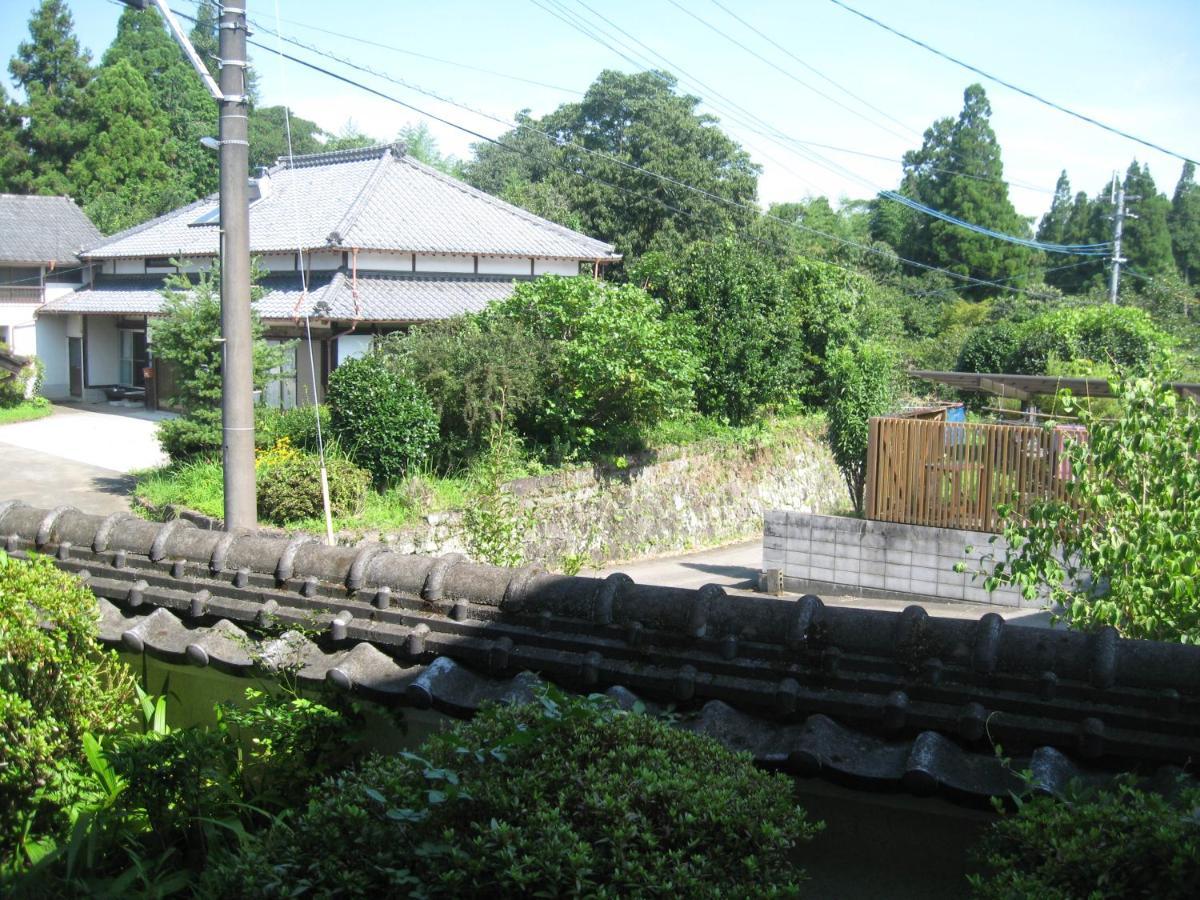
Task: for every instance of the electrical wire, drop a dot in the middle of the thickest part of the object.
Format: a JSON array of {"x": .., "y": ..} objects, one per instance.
[
  {"x": 1008, "y": 84},
  {"x": 312, "y": 366},
  {"x": 782, "y": 70},
  {"x": 966, "y": 279},
  {"x": 821, "y": 160}
]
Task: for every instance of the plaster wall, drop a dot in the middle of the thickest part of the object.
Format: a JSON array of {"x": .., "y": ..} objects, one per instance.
[
  {"x": 18, "y": 320},
  {"x": 555, "y": 267},
  {"x": 103, "y": 351},
  {"x": 128, "y": 267},
  {"x": 504, "y": 265},
  {"x": 52, "y": 350},
  {"x": 444, "y": 263}
]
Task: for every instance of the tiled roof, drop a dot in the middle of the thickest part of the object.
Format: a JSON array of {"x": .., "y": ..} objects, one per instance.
[
  {"x": 374, "y": 297},
  {"x": 43, "y": 230},
  {"x": 372, "y": 199},
  {"x": 892, "y": 698}
]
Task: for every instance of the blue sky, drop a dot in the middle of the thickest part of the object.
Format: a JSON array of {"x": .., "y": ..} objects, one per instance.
[{"x": 1133, "y": 65}]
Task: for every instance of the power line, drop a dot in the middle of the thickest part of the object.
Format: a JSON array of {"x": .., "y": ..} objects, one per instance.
[
  {"x": 1008, "y": 84},
  {"x": 789, "y": 74},
  {"x": 811, "y": 68},
  {"x": 821, "y": 160},
  {"x": 967, "y": 279}
]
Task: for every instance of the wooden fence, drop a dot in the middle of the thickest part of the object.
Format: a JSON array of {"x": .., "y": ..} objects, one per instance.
[{"x": 955, "y": 474}]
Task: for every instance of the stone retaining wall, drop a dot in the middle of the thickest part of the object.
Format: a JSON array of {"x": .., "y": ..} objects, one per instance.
[{"x": 656, "y": 504}]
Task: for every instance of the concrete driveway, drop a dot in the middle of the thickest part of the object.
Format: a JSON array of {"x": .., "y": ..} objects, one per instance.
[{"x": 80, "y": 456}]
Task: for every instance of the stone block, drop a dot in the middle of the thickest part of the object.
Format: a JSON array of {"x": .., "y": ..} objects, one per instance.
[
  {"x": 893, "y": 581},
  {"x": 846, "y": 567},
  {"x": 873, "y": 565},
  {"x": 872, "y": 580},
  {"x": 820, "y": 573},
  {"x": 926, "y": 560},
  {"x": 775, "y": 527},
  {"x": 923, "y": 587},
  {"x": 824, "y": 548},
  {"x": 774, "y": 543},
  {"x": 897, "y": 558},
  {"x": 821, "y": 560},
  {"x": 773, "y": 559},
  {"x": 849, "y": 546}
]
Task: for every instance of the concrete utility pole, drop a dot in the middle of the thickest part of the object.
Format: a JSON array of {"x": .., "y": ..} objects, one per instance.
[
  {"x": 237, "y": 365},
  {"x": 237, "y": 399},
  {"x": 1118, "y": 229}
]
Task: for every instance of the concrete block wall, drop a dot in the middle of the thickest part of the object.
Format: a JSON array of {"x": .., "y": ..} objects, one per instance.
[{"x": 838, "y": 555}]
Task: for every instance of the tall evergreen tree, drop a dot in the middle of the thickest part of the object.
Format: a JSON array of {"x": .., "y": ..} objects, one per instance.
[
  {"x": 976, "y": 192},
  {"x": 958, "y": 171},
  {"x": 53, "y": 70},
  {"x": 1085, "y": 222},
  {"x": 1147, "y": 240},
  {"x": 122, "y": 176},
  {"x": 204, "y": 35},
  {"x": 1053, "y": 228},
  {"x": 143, "y": 41},
  {"x": 1184, "y": 222},
  {"x": 13, "y": 161}
]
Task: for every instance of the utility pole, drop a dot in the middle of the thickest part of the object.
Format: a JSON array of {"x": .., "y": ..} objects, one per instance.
[
  {"x": 237, "y": 370},
  {"x": 237, "y": 366},
  {"x": 1118, "y": 229}
]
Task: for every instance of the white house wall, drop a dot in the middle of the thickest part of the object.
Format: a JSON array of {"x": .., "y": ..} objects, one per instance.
[
  {"x": 17, "y": 320},
  {"x": 52, "y": 350},
  {"x": 555, "y": 267},
  {"x": 430, "y": 263},
  {"x": 504, "y": 265},
  {"x": 103, "y": 351},
  {"x": 129, "y": 267},
  {"x": 324, "y": 260}
]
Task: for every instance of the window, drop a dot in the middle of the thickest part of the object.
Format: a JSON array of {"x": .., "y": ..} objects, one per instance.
[{"x": 134, "y": 358}]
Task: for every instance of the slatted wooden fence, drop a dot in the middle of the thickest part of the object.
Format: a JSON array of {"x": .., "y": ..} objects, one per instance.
[{"x": 955, "y": 474}]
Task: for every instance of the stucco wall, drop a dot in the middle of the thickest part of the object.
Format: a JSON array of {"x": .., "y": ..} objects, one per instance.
[{"x": 52, "y": 350}]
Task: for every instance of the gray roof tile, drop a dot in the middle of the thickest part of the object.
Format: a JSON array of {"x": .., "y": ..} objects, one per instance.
[
  {"x": 43, "y": 229},
  {"x": 372, "y": 199},
  {"x": 380, "y": 297}
]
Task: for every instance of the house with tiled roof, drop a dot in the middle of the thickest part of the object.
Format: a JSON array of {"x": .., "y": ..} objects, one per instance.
[
  {"x": 40, "y": 238},
  {"x": 359, "y": 242}
]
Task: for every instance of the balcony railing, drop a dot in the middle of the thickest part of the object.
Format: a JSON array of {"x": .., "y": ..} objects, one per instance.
[{"x": 20, "y": 294}]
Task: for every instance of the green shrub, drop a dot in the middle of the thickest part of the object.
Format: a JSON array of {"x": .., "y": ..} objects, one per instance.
[
  {"x": 291, "y": 490},
  {"x": 383, "y": 421},
  {"x": 1123, "y": 336},
  {"x": 55, "y": 684},
  {"x": 1096, "y": 844},
  {"x": 615, "y": 368},
  {"x": 480, "y": 374},
  {"x": 1121, "y": 549},
  {"x": 187, "y": 335},
  {"x": 561, "y": 797},
  {"x": 990, "y": 348},
  {"x": 299, "y": 426},
  {"x": 860, "y": 383}
]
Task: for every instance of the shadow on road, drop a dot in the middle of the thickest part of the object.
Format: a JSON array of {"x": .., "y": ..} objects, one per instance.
[
  {"x": 120, "y": 485},
  {"x": 750, "y": 575}
]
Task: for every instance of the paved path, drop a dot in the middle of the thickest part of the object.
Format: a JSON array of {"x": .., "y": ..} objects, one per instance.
[
  {"x": 78, "y": 456},
  {"x": 736, "y": 568}
]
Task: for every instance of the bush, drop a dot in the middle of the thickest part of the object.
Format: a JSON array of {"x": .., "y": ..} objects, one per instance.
[
  {"x": 480, "y": 375},
  {"x": 187, "y": 335},
  {"x": 291, "y": 490},
  {"x": 298, "y": 426},
  {"x": 1121, "y": 550},
  {"x": 564, "y": 796},
  {"x": 615, "y": 366},
  {"x": 383, "y": 421},
  {"x": 55, "y": 684},
  {"x": 860, "y": 383},
  {"x": 990, "y": 349},
  {"x": 1122, "y": 336},
  {"x": 1097, "y": 844}
]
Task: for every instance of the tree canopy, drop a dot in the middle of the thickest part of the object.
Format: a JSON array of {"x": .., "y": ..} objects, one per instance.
[{"x": 641, "y": 122}]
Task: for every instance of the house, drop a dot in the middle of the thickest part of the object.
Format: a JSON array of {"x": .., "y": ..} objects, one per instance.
[
  {"x": 362, "y": 242},
  {"x": 40, "y": 238}
]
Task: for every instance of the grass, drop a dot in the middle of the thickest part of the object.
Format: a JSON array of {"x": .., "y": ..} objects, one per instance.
[
  {"x": 27, "y": 411},
  {"x": 199, "y": 485}
]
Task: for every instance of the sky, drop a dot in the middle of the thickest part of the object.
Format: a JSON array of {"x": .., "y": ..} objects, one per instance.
[{"x": 1135, "y": 66}]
